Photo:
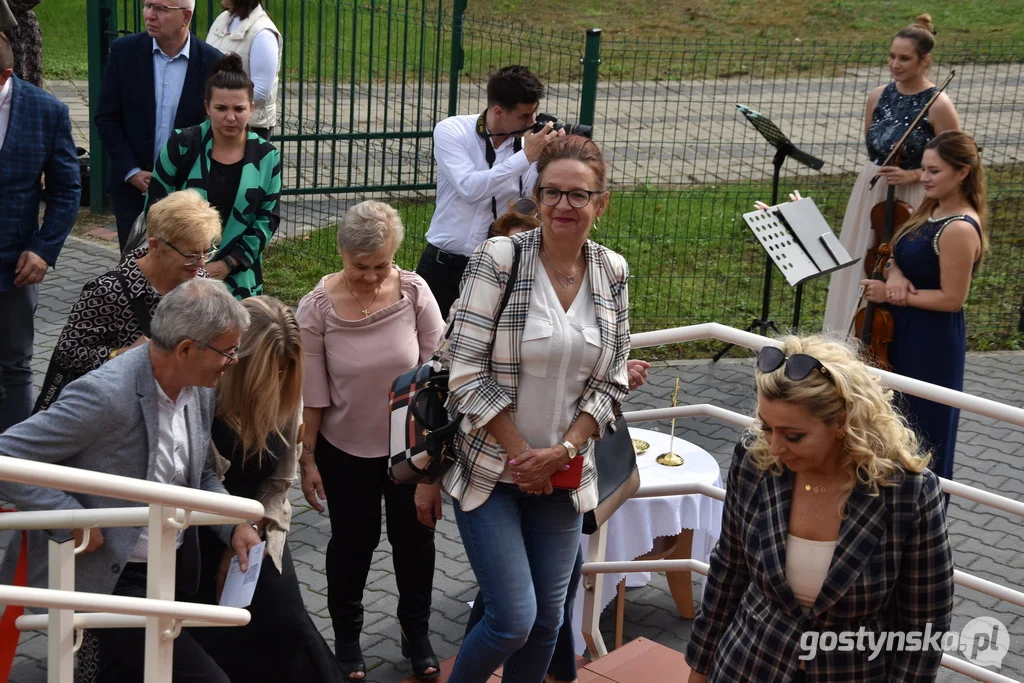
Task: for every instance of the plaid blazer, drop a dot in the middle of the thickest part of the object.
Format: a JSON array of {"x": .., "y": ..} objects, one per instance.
[
  {"x": 38, "y": 141},
  {"x": 892, "y": 571},
  {"x": 484, "y": 377}
]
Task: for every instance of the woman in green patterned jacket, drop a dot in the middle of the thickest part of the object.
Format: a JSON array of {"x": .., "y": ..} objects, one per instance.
[{"x": 238, "y": 172}]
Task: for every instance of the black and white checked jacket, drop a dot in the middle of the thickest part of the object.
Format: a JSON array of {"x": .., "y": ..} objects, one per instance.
[
  {"x": 892, "y": 571},
  {"x": 483, "y": 377}
]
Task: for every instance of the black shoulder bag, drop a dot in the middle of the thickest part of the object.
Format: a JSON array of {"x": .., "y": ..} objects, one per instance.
[{"x": 422, "y": 431}]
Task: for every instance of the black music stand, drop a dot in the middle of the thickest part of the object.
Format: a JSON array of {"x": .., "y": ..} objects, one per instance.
[{"x": 783, "y": 148}]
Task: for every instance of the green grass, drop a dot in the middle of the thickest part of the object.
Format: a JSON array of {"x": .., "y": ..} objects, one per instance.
[
  {"x": 353, "y": 41},
  {"x": 64, "y": 38},
  {"x": 693, "y": 259}
]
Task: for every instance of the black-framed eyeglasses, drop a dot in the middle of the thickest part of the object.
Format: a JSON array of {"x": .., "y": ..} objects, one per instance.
[
  {"x": 231, "y": 355},
  {"x": 550, "y": 196},
  {"x": 799, "y": 366},
  {"x": 161, "y": 9},
  {"x": 193, "y": 259}
]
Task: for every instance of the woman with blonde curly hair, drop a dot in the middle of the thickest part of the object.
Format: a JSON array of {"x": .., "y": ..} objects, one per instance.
[{"x": 833, "y": 523}]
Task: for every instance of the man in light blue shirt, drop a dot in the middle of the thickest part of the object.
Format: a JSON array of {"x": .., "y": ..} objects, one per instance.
[{"x": 138, "y": 109}]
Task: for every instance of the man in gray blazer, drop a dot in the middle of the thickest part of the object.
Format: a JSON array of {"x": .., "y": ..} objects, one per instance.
[{"x": 146, "y": 414}]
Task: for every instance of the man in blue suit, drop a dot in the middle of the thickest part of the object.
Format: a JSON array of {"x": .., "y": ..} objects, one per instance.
[
  {"x": 35, "y": 138},
  {"x": 154, "y": 82}
]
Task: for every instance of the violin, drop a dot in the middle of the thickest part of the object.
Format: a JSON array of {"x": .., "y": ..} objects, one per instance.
[
  {"x": 900, "y": 215},
  {"x": 873, "y": 324}
]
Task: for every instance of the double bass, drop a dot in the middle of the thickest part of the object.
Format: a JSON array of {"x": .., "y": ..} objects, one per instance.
[{"x": 873, "y": 324}]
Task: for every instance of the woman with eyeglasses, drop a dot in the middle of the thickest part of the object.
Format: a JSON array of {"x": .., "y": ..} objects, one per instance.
[
  {"x": 256, "y": 441},
  {"x": 833, "y": 523},
  {"x": 232, "y": 167},
  {"x": 112, "y": 314},
  {"x": 536, "y": 384}
]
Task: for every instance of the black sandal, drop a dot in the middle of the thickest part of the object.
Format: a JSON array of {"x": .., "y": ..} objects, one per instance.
[
  {"x": 350, "y": 659},
  {"x": 422, "y": 657}
]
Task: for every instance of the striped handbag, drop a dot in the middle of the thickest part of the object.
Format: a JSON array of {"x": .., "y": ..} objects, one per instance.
[{"x": 422, "y": 431}]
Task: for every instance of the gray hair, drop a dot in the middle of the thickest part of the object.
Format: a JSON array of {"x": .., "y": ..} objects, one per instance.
[
  {"x": 368, "y": 226},
  {"x": 199, "y": 309}
]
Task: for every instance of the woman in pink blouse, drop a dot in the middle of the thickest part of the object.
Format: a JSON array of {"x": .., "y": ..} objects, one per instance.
[{"x": 362, "y": 327}]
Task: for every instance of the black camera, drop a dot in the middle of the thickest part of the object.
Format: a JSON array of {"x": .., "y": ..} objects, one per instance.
[{"x": 569, "y": 128}]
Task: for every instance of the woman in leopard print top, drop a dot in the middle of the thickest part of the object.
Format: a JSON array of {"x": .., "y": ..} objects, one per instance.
[{"x": 103, "y": 322}]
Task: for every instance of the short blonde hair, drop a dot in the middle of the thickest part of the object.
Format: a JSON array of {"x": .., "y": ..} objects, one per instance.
[
  {"x": 879, "y": 445},
  {"x": 183, "y": 216},
  {"x": 368, "y": 226}
]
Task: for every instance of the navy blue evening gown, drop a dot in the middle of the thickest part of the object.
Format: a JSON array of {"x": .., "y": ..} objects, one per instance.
[{"x": 929, "y": 345}]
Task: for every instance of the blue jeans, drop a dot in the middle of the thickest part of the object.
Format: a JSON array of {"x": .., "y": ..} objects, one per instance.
[
  {"x": 522, "y": 549},
  {"x": 563, "y": 659}
]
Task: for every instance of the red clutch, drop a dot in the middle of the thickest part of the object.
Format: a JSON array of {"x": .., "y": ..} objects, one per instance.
[{"x": 570, "y": 478}]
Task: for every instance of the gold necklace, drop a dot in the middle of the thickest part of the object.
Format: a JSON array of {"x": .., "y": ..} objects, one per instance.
[
  {"x": 815, "y": 489},
  {"x": 366, "y": 309},
  {"x": 570, "y": 280}
]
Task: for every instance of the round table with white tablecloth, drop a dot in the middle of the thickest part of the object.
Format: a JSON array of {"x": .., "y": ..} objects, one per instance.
[{"x": 635, "y": 525}]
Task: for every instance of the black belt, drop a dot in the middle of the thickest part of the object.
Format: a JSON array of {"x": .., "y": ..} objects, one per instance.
[{"x": 446, "y": 258}]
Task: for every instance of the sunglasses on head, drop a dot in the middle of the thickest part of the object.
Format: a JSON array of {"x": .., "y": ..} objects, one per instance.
[
  {"x": 524, "y": 206},
  {"x": 799, "y": 366}
]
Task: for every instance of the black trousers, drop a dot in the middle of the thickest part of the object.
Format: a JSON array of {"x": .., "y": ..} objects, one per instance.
[
  {"x": 354, "y": 487},
  {"x": 443, "y": 273},
  {"x": 127, "y": 203},
  {"x": 122, "y": 650}
]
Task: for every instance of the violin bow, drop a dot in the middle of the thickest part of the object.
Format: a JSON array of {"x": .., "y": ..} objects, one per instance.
[{"x": 898, "y": 147}]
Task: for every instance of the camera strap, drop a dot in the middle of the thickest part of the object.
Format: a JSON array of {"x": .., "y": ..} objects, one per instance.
[{"x": 491, "y": 155}]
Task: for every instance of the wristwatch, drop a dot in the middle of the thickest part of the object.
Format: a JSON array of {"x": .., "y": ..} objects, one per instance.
[{"x": 570, "y": 449}]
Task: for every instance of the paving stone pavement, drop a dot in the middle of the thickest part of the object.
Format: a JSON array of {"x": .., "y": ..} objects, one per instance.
[{"x": 985, "y": 543}]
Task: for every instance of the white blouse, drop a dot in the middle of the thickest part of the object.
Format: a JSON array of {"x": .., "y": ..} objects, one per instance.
[
  {"x": 559, "y": 353},
  {"x": 807, "y": 564}
]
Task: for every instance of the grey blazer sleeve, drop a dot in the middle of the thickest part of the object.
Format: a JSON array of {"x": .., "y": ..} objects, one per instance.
[{"x": 69, "y": 427}]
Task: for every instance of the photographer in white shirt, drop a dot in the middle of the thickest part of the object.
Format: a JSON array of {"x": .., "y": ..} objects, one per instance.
[{"x": 483, "y": 161}]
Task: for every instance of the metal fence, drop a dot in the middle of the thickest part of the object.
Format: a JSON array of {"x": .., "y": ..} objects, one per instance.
[
  {"x": 689, "y": 165},
  {"x": 365, "y": 82}
]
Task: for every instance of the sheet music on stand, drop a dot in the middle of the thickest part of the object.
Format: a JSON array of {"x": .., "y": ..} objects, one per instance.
[{"x": 799, "y": 240}]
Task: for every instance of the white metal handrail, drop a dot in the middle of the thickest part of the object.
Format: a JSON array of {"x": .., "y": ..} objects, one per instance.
[
  {"x": 78, "y": 480},
  {"x": 749, "y": 340},
  {"x": 949, "y": 486},
  {"x": 690, "y": 565},
  {"x": 92, "y": 518},
  {"x": 84, "y": 620},
  {"x": 957, "y": 399},
  {"x": 120, "y": 604},
  {"x": 168, "y": 510}
]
